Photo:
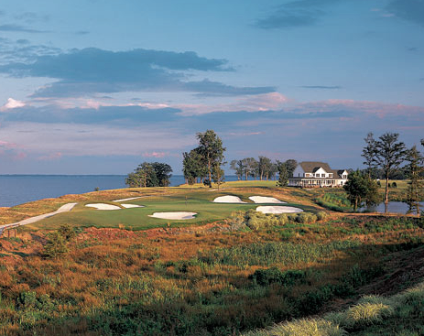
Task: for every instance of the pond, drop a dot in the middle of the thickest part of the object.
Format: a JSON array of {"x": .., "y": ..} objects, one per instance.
[{"x": 393, "y": 207}]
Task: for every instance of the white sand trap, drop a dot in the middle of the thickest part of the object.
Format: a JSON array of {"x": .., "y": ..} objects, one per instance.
[
  {"x": 174, "y": 215},
  {"x": 130, "y": 206},
  {"x": 277, "y": 209},
  {"x": 103, "y": 206},
  {"x": 263, "y": 199},
  {"x": 228, "y": 199},
  {"x": 127, "y": 199}
]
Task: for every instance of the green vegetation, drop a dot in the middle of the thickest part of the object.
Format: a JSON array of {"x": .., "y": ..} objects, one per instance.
[
  {"x": 244, "y": 271},
  {"x": 398, "y": 315},
  {"x": 147, "y": 174}
]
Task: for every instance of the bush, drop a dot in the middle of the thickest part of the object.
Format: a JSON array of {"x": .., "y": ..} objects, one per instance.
[
  {"x": 264, "y": 277},
  {"x": 306, "y": 217},
  {"x": 55, "y": 245},
  {"x": 322, "y": 215},
  {"x": 67, "y": 232},
  {"x": 367, "y": 313},
  {"x": 394, "y": 185}
]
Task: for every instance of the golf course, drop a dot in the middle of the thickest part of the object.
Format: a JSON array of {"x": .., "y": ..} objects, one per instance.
[{"x": 214, "y": 265}]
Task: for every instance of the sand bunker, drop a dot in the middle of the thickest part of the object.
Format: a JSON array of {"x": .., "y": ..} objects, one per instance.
[
  {"x": 128, "y": 199},
  {"x": 174, "y": 215},
  {"x": 262, "y": 199},
  {"x": 130, "y": 206},
  {"x": 103, "y": 206},
  {"x": 277, "y": 209},
  {"x": 228, "y": 199}
]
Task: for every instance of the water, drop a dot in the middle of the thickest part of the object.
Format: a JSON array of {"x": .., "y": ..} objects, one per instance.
[
  {"x": 393, "y": 207},
  {"x": 18, "y": 189}
]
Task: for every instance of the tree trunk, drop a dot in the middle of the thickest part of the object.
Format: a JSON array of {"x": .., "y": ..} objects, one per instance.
[{"x": 386, "y": 200}]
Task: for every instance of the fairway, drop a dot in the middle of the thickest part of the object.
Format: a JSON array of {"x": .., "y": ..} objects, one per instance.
[{"x": 199, "y": 201}]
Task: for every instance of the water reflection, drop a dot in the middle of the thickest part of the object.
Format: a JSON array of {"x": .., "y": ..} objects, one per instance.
[{"x": 392, "y": 207}]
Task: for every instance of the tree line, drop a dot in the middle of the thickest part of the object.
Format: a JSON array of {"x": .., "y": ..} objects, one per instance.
[
  {"x": 386, "y": 154},
  {"x": 263, "y": 168}
]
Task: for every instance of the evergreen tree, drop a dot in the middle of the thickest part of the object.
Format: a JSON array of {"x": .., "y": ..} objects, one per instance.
[
  {"x": 238, "y": 167},
  {"x": 283, "y": 175},
  {"x": 356, "y": 188}
]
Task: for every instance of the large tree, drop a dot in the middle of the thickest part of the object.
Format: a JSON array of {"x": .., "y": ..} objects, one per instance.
[
  {"x": 250, "y": 165},
  {"x": 264, "y": 167},
  {"x": 369, "y": 153},
  {"x": 415, "y": 191},
  {"x": 291, "y": 165},
  {"x": 361, "y": 189},
  {"x": 238, "y": 167},
  {"x": 193, "y": 166},
  {"x": 212, "y": 151},
  {"x": 389, "y": 154},
  {"x": 147, "y": 174}
]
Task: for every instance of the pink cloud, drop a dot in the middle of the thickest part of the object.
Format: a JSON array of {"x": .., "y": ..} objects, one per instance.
[
  {"x": 262, "y": 102},
  {"x": 12, "y": 104},
  {"x": 154, "y": 154}
]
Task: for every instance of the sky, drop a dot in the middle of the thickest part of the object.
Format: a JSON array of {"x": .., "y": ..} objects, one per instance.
[{"x": 97, "y": 87}]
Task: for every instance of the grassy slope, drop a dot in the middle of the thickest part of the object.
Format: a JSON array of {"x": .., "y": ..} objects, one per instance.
[{"x": 119, "y": 282}]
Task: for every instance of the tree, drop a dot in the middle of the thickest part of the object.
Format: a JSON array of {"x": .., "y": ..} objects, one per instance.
[
  {"x": 192, "y": 166},
  {"x": 291, "y": 165},
  {"x": 283, "y": 174},
  {"x": 356, "y": 188},
  {"x": 211, "y": 149},
  {"x": 250, "y": 165},
  {"x": 415, "y": 192},
  {"x": 163, "y": 173},
  {"x": 369, "y": 153},
  {"x": 147, "y": 174},
  {"x": 55, "y": 246},
  {"x": 218, "y": 174},
  {"x": 264, "y": 167},
  {"x": 238, "y": 167},
  {"x": 389, "y": 154}
]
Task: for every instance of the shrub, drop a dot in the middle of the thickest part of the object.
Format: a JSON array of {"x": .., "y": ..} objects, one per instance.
[
  {"x": 394, "y": 185},
  {"x": 303, "y": 327},
  {"x": 306, "y": 217},
  {"x": 322, "y": 215},
  {"x": 367, "y": 313},
  {"x": 265, "y": 277},
  {"x": 55, "y": 245},
  {"x": 67, "y": 232}
]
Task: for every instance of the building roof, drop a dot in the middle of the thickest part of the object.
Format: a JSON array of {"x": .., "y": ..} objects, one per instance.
[{"x": 313, "y": 166}]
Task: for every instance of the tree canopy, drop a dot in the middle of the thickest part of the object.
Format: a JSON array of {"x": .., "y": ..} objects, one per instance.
[{"x": 147, "y": 174}]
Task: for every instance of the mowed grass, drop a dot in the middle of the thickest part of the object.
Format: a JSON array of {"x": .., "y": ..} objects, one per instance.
[{"x": 199, "y": 201}]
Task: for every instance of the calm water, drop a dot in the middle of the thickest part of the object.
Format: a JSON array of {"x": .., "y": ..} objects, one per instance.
[
  {"x": 393, "y": 207},
  {"x": 18, "y": 189}
]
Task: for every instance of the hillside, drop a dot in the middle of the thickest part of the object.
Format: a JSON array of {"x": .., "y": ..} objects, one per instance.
[{"x": 228, "y": 271}]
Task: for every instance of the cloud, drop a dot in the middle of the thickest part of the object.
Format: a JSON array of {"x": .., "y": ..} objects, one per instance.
[
  {"x": 295, "y": 14},
  {"x": 323, "y": 87},
  {"x": 409, "y": 10},
  {"x": 261, "y": 102},
  {"x": 12, "y": 104},
  {"x": 20, "y": 29},
  {"x": 89, "y": 71},
  {"x": 154, "y": 154},
  {"x": 94, "y": 140},
  {"x": 51, "y": 157}
]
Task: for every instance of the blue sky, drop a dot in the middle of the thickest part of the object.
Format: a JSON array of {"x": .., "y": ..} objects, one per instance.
[{"x": 97, "y": 87}]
